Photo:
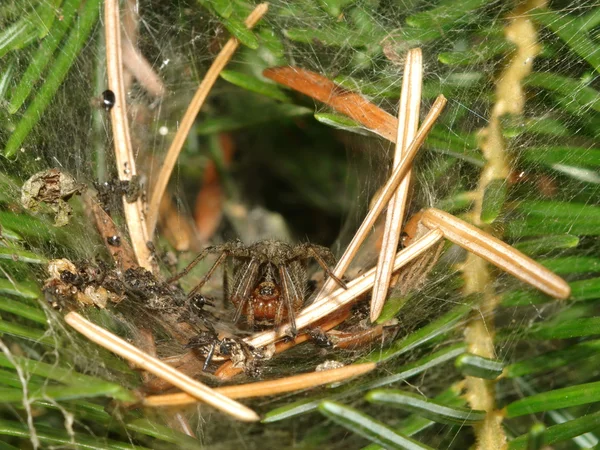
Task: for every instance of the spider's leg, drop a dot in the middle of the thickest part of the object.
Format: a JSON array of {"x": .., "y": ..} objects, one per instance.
[
  {"x": 317, "y": 256},
  {"x": 279, "y": 312},
  {"x": 209, "y": 356},
  {"x": 250, "y": 315},
  {"x": 289, "y": 298},
  {"x": 191, "y": 265},
  {"x": 244, "y": 285},
  {"x": 208, "y": 274},
  {"x": 225, "y": 283}
]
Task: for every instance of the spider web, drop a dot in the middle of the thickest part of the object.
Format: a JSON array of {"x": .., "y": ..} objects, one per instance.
[{"x": 298, "y": 179}]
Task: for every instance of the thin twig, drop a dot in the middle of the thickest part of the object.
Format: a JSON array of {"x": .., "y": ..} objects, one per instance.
[
  {"x": 190, "y": 115},
  {"x": 144, "y": 361},
  {"x": 408, "y": 123},
  {"x": 134, "y": 215},
  {"x": 343, "y": 297},
  {"x": 266, "y": 388},
  {"x": 384, "y": 197},
  {"x": 496, "y": 252}
]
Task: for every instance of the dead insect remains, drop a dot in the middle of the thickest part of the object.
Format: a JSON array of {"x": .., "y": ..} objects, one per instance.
[{"x": 53, "y": 188}]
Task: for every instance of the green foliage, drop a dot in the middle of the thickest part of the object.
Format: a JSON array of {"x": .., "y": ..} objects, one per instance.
[
  {"x": 431, "y": 409},
  {"x": 368, "y": 427}
]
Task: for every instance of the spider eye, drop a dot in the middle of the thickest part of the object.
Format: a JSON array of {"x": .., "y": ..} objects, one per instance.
[
  {"x": 267, "y": 290},
  {"x": 404, "y": 239}
]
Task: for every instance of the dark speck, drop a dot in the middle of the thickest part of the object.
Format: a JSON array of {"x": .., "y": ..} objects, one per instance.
[
  {"x": 115, "y": 241},
  {"x": 108, "y": 99}
]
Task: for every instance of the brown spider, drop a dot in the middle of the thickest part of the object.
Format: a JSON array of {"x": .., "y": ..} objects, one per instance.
[{"x": 269, "y": 278}]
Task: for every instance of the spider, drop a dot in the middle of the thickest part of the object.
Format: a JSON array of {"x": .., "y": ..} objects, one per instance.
[{"x": 269, "y": 278}]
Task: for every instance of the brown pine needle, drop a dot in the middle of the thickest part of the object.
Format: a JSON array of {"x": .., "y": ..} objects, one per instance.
[
  {"x": 348, "y": 103},
  {"x": 266, "y": 388},
  {"x": 134, "y": 215},
  {"x": 190, "y": 115},
  {"x": 146, "y": 362},
  {"x": 496, "y": 252},
  {"x": 408, "y": 123},
  {"x": 343, "y": 297},
  {"x": 384, "y": 197}
]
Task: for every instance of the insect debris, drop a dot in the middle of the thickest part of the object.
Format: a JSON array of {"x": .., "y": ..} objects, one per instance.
[
  {"x": 269, "y": 278},
  {"x": 52, "y": 188},
  {"x": 109, "y": 192}
]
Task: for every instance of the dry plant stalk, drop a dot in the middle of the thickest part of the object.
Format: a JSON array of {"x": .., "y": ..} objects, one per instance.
[
  {"x": 266, "y": 388},
  {"x": 190, "y": 115},
  {"x": 408, "y": 123},
  {"x": 341, "y": 298},
  {"x": 146, "y": 362},
  {"x": 384, "y": 197},
  {"x": 134, "y": 215},
  {"x": 510, "y": 98}
]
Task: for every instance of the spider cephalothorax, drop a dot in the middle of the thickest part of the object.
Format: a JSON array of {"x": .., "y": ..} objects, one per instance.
[{"x": 268, "y": 278}]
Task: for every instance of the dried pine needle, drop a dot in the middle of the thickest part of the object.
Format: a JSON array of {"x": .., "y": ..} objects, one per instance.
[
  {"x": 146, "y": 362},
  {"x": 190, "y": 115},
  {"x": 346, "y": 102},
  {"x": 134, "y": 215},
  {"x": 384, "y": 197},
  {"x": 408, "y": 124},
  {"x": 496, "y": 252},
  {"x": 272, "y": 387}
]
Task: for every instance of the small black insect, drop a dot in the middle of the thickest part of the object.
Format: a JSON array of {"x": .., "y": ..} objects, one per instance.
[{"x": 108, "y": 99}]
